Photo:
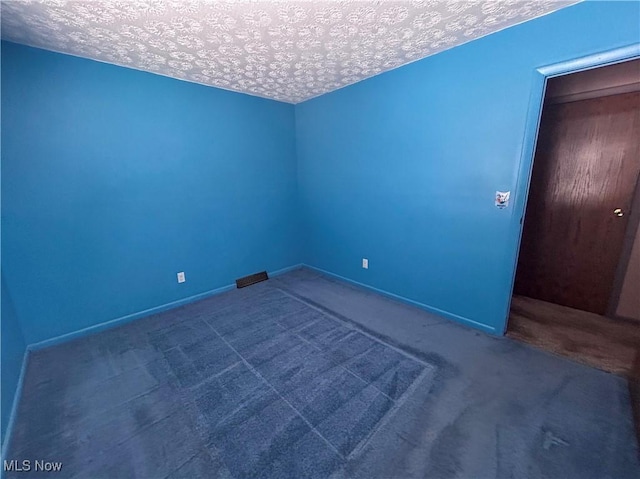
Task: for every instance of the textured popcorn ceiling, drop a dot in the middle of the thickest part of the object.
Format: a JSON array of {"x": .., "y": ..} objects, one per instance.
[{"x": 284, "y": 50}]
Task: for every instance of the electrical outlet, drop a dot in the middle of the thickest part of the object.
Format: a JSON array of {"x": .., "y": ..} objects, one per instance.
[
  {"x": 365, "y": 263},
  {"x": 181, "y": 278}
]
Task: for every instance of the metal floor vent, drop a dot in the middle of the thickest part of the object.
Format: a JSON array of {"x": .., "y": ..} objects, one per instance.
[{"x": 251, "y": 279}]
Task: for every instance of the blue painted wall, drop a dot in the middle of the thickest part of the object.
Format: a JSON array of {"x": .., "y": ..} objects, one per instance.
[
  {"x": 13, "y": 350},
  {"x": 403, "y": 168},
  {"x": 113, "y": 180}
]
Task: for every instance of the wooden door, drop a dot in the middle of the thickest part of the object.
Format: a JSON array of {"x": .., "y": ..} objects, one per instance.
[{"x": 586, "y": 166}]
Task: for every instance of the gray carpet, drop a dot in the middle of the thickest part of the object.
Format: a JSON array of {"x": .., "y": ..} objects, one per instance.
[{"x": 304, "y": 376}]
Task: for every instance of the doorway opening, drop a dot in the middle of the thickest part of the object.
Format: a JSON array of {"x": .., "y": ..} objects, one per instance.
[
  {"x": 577, "y": 284},
  {"x": 576, "y": 289}
]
